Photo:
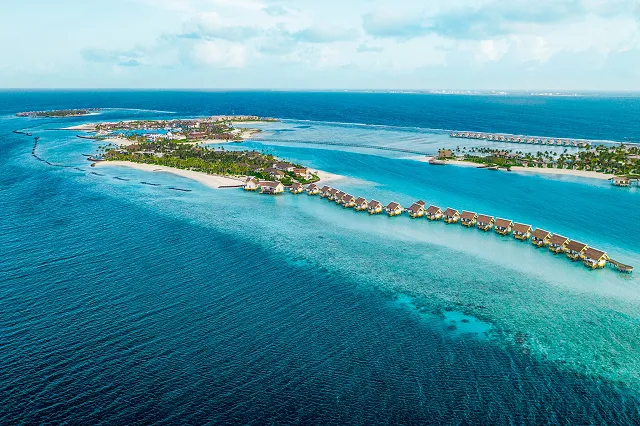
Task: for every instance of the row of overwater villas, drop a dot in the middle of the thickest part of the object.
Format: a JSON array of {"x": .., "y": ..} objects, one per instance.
[
  {"x": 574, "y": 250},
  {"x": 518, "y": 139}
]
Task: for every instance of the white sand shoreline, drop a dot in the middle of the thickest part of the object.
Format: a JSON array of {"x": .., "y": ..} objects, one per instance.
[
  {"x": 529, "y": 170},
  {"x": 211, "y": 181}
]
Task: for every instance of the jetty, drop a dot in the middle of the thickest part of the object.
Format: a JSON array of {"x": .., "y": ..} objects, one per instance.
[
  {"x": 533, "y": 140},
  {"x": 576, "y": 251}
]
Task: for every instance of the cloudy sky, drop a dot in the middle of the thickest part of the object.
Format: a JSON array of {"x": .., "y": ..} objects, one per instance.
[{"x": 321, "y": 44}]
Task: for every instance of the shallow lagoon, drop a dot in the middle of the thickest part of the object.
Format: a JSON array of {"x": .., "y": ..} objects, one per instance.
[{"x": 309, "y": 283}]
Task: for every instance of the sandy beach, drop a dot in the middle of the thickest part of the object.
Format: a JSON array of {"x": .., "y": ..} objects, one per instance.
[
  {"x": 527, "y": 170},
  {"x": 212, "y": 181}
]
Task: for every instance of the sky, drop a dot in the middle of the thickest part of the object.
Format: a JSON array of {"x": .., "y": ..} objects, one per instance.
[{"x": 539, "y": 45}]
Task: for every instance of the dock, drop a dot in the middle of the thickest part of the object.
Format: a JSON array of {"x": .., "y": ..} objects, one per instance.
[{"x": 621, "y": 266}]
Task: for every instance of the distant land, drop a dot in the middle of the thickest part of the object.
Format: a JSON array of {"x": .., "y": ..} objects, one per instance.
[{"x": 59, "y": 113}]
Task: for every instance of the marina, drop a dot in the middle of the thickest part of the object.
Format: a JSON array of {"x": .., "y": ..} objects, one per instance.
[{"x": 574, "y": 250}]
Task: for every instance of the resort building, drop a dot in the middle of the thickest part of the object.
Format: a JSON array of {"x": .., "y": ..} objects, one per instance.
[
  {"x": 270, "y": 187},
  {"x": 558, "y": 243},
  {"x": 394, "y": 209},
  {"x": 361, "y": 204},
  {"x": 575, "y": 250},
  {"x": 503, "y": 226},
  {"x": 273, "y": 172},
  {"x": 296, "y": 188},
  {"x": 348, "y": 201},
  {"x": 540, "y": 238},
  {"x": 251, "y": 184},
  {"x": 620, "y": 181},
  {"x": 375, "y": 207},
  {"x": 313, "y": 189},
  {"x": 594, "y": 259},
  {"x": 451, "y": 216},
  {"x": 331, "y": 193},
  {"x": 416, "y": 210},
  {"x": 521, "y": 231},
  {"x": 485, "y": 222},
  {"x": 337, "y": 197},
  {"x": 324, "y": 191},
  {"x": 434, "y": 213},
  {"x": 302, "y": 172},
  {"x": 285, "y": 167},
  {"x": 468, "y": 219}
]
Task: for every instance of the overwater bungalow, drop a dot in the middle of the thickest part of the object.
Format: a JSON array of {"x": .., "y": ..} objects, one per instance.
[
  {"x": 324, "y": 191},
  {"x": 361, "y": 204},
  {"x": 394, "y": 209},
  {"x": 503, "y": 226},
  {"x": 558, "y": 243},
  {"x": 620, "y": 181},
  {"x": 521, "y": 231},
  {"x": 348, "y": 201},
  {"x": 575, "y": 250},
  {"x": 271, "y": 187},
  {"x": 375, "y": 207},
  {"x": 296, "y": 188},
  {"x": 485, "y": 222},
  {"x": 451, "y": 215},
  {"x": 251, "y": 184},
  {"x": 416, "y": 210},
  {"x": 540, "y": 237},
  {"x": 313, "y": 189},
  {"x": 434, "y": 213},
  {"x": 468, "y": 219},
  {"x": 594, "y": 259},
  {"x": 331, "y": 193},
  {"x": 337, "y": 197}
]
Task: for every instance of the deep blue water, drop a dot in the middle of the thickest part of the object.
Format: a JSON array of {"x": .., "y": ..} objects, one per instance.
[{"x": 121, "y": 304}]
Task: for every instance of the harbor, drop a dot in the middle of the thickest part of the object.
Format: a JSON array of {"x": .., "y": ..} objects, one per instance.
[
  {"x": 532, "y": 140},
  {"x": 575, "y": 251}
]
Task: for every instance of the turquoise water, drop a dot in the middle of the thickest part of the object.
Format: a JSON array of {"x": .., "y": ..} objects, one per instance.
[{"x": 127, "y": 301}]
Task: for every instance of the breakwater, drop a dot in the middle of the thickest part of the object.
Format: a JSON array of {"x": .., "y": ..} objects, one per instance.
[{"x": 533, "y": 140}]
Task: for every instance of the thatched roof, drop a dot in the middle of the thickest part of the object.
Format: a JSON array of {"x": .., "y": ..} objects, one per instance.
[
  {"x": 521, "y": 228},
  {"x": 449, "y": 212},
  {"x": 558, "y": 240},
  {"x": 576, "y": 246},
  {"x": 468, "y": 215},
  {"x": 434, "y": 210},
  {"x": 415, "y": 208},
  {"x": 541, "y": 234},
  {"x": 591, "y": 253},
  {"x": 503, "y": 223},
  {"x": 484, "y": 219},
  {"x": 393, "y": 205}
]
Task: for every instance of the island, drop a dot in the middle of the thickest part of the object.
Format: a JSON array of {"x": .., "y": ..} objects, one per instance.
[
  {"x": 620, "y": 163},
  {"x": 59, "y": 113},
  {"x": 204, "y": 159},
  {"x": 195, "y": 130}
]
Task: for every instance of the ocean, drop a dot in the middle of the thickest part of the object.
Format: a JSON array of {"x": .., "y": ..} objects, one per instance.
[{"x": 128, "y": 303}]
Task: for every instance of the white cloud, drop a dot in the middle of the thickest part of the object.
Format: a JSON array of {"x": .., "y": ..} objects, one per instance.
[{"x": 220, "y": 54}]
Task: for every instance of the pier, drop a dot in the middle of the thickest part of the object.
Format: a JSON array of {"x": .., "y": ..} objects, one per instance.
[{"x": 533, "y": 140}]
